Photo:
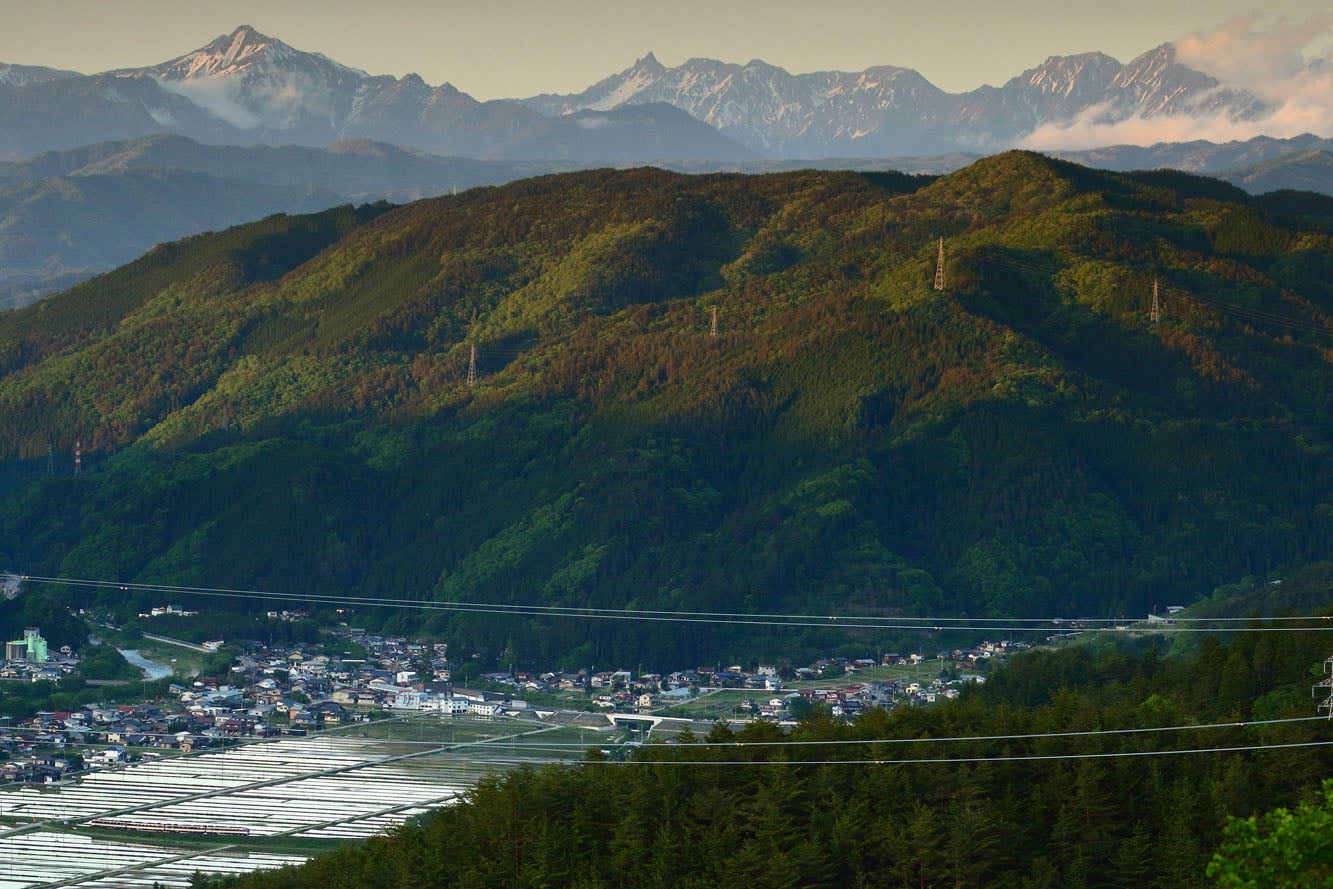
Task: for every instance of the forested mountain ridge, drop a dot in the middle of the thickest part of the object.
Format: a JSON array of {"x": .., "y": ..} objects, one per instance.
[{"x": 284, "y": 405}]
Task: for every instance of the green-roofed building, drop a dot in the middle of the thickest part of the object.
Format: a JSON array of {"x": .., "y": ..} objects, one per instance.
[{"x": 31, "y": 648}]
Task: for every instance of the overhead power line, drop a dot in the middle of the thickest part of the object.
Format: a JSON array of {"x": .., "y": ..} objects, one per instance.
[
  {"x": 940, "y": 760},
  {"x": 949, "y": 739},
  {"x": 1003, "y": 625},
  {"x": 556, "y": 745},
  {"x": 1034, "y": 757}
]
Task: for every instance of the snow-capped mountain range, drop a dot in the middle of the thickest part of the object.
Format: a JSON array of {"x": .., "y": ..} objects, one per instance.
[
  {"x": 886, "y": 110},
  {"x": 246, "y": 88}
]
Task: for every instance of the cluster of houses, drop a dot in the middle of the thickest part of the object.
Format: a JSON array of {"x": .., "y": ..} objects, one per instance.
[
  {"x": 51, "y": 744},
  {"x": 167, "y": 611},
  {"x": 294, "y": 689}
]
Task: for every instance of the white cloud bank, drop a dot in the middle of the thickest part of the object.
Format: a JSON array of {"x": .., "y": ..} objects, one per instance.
[{"x": 1283, "y": 62}]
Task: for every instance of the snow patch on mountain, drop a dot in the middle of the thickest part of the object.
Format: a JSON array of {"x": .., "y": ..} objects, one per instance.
[{"x": 22, "y": 75}]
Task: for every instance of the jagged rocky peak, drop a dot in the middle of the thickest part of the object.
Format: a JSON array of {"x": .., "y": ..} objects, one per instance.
[
  {"x": 1156, "y": 65},
  {"x": 649, "y": 63},
  {"x": 223, "y": 55},
  {"x": 1060, "y": 75}
]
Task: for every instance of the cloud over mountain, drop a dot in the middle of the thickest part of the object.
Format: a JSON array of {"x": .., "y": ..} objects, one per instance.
[{"x": 1278, "y": 61}]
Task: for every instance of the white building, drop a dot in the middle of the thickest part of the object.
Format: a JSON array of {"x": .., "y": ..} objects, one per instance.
[{"x": 409, "y": 700}]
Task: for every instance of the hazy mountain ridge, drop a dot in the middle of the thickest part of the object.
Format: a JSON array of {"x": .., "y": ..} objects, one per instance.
[
  {"x": 1229, "y": 161},
  {"x": 20, "y": 75},
  {"x": 60, "y": 230},
  {"x": 357, "y": 170},
  {"x": 67, "y": 215},
  {"x": 1302, "y": 171}
]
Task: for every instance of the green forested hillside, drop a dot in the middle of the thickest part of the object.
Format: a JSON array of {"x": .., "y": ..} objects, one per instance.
[{"x": 284, "y": 405}]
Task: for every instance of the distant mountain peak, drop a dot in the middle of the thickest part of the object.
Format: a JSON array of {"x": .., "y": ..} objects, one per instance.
[
  {"x": 239, "y": 52},
  {"x": 247, "y": 36},
  {"x": 223, "y": 55},
  {"x": 248, "y": 32}
]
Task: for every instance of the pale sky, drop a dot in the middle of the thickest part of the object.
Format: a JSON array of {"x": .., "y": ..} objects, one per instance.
[{"x": 514, "y": 48}]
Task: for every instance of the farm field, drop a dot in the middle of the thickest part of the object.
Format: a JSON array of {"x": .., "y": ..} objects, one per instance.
[{"x": 146, "y": 822}]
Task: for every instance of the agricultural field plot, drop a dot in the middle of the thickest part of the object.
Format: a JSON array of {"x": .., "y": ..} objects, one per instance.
[
  {"x": 718, "y": 704},
  {"x": 157, "y": 783},
  {"x": 440, "y": 730},
  {"x": 320, "y": 788},
  {"x": 40, "y": 858},
  {"x": 177, "y": 873},
  {"x": 344, "y": 785},
  {"x": 551, "y": 744}
]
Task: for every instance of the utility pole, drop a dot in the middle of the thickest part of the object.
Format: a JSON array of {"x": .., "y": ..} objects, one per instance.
[
  {"x": 1327, "y": 684},
  {"x": 472, "y": 359},
  {"x": 939, "y": 268},
  {"x": 713, "y": 332},
  {"x": 1155, "y": 315}
]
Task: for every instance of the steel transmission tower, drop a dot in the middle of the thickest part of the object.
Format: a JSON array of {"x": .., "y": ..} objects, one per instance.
[
  {"x": 713, "y": 331},
  {"x": 1155, "y": 314},
  {"x": 1327, "y": 684},
  {"x": 939, "y": 268},
  {"x": 472, "y": 367}
]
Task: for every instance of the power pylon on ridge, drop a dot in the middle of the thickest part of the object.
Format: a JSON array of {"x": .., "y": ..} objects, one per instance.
[
  {"x": 1326, "y": 683},
  {"x": 939, "y": 268},
  {"x": 713, "y": 331},
  {"x": 472, "y": 367},
  {"x": 1155, "y": 315}
]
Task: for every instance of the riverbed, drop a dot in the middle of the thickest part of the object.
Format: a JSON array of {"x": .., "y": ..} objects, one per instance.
[{"x": 152, "y": 668}]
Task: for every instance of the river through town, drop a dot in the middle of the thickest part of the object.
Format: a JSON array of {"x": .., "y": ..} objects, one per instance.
[{"x": 152, "y": 668}]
